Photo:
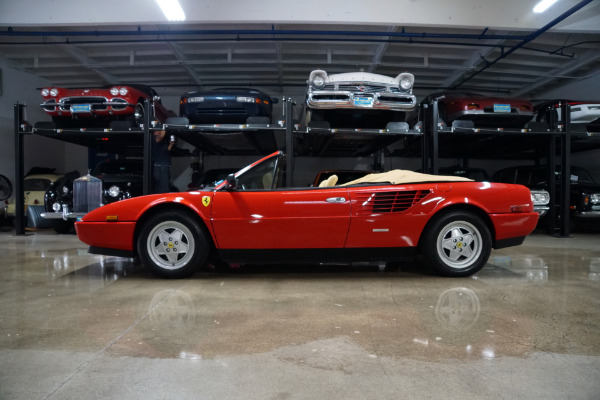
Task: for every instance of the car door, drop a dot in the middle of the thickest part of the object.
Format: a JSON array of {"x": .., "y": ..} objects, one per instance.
[{"x": 306, "y": 218}]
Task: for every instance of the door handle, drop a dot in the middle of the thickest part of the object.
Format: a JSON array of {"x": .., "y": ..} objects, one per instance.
[{"x": 336, "y": 200}]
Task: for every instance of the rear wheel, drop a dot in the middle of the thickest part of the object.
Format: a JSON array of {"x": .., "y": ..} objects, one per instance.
[
  {"x": 172, "y": 245},
  {"x": 457, "y": 244}
]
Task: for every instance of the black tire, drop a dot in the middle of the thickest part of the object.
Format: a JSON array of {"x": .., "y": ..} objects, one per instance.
[
  {"x": 172, "y": 245},
  {"x": 456, "y": 244},
  {"x": 63, "y": 227}
]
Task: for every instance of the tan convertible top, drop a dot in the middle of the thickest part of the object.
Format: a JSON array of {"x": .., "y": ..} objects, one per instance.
[{"x": 398, "y": 176}]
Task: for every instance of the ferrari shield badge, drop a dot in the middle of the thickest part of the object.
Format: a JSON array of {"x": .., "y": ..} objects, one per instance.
[{"x": 206, "y": 201}]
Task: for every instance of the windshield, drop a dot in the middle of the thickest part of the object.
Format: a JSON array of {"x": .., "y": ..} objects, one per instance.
[
  {"x": 36, "y": 185},
  {"x": 115, "y": 168}
]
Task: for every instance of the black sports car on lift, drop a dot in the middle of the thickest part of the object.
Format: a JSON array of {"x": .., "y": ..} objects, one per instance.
[{"x": 227, "y": 106}]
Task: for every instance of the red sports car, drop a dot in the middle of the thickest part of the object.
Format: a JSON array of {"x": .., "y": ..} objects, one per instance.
[
  {"x": 484, "y": 111},
  {"x": 452, "y": 221},
  {"x": 87, "y": 108}
]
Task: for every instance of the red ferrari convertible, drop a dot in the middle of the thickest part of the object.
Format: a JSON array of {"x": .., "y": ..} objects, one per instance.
[{"x": 453, "y": 222}]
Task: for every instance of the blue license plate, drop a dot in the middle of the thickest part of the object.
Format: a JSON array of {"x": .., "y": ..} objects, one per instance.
[
  {"x": 363, "y": 102},
  {"x": 504, "y": 108},
  {"x": 81, "y": 108}
]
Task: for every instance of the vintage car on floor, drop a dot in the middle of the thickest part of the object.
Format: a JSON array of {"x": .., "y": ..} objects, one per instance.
[
  {"x": 227, "y": 106},
  {"x": 359, "y": 99},
  {"x": 584, "y": 192},
  {"x": 34, "y": 187},
  {"x": 539, "y": 197},
  {"x": 452, "y": 222},
  {"x": 110, "y": 181},
  {"x": 483, "y": 111},
  {"x": 583, "y": 113},
  {"x": 98, "y": 107}
]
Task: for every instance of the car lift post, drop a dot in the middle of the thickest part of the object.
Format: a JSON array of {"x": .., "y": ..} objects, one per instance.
[
  {"x": 19, "y": 172},
  {"x": 148, "y": 137},
  {"x": 565, "y": 195},
  {"x": 289, "y": 142}
]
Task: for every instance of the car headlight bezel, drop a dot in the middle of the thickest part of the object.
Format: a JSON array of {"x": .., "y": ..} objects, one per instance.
[
  {"x": 405, "y": 84},
  {"x": 114, "y": 191},
  {"x": 540, "y": 197},
  {"x": 57, "y": 207},
  {"x": 595, "y": 198},
  {"x": 53, "y": 92},
  {"x": 318, "y": 81}
]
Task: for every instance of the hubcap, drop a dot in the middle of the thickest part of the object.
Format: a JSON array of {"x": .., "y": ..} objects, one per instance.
[
  {"x": 170, "y": 245},
  {"x": 459, "y": 244}
]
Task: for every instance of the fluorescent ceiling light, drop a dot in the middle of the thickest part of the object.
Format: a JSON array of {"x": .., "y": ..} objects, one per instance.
[
  {"x": 543, "y": 6},
  {"x": 172, "y": 10}
]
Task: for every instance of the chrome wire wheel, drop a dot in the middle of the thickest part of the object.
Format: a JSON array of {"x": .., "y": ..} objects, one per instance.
[
  {"x": 459, "y": 244},
  {"x": 170, "y": 245}
]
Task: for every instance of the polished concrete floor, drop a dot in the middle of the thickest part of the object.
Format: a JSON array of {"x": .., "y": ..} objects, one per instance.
[{"x": 74, "y": 326}]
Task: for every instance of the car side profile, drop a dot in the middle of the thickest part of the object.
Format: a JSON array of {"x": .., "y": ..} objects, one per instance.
[{"x": 452, "y": 222}]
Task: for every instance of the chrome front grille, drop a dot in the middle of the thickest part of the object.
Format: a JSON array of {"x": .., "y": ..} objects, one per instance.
[{"x": 87, "y": 194}]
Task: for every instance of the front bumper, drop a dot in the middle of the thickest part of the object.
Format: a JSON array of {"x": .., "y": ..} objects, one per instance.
[{"x": 331, "y": 99}]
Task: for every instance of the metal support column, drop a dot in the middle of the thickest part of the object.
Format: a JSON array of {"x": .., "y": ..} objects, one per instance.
[
  {"x": 148, "y": 137},
  {"x": 289, "y": 142},
  {"x": 551, "y": 179},
  {"x": 565, "y": 184},
  {"x": 435, "y": 138},
  {"x": 19, "y": 171},
  {"x": 425, "y": 149}
]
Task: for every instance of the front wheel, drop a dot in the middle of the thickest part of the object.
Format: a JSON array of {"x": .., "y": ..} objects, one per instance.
[
  {"x": 172, "y": 245},
  {"x": 457, "y": 244}
]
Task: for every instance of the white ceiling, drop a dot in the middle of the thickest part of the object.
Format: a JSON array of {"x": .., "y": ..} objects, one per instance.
[{"x": 485, "y": 46}]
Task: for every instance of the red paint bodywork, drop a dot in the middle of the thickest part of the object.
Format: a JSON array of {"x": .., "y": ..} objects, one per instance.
[
  {"x": 306, "y": 218},
  {"x": 116, "y": 106}
]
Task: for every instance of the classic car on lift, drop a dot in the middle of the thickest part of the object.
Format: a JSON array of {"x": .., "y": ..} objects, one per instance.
[
  {"x": 452, "y": 222},
  {"x": 483, "y": 111},
  {"x": 227, "y": 106},
  {"x": 584, "y": 113},
  {"x": 359, "y": 99},
  {"x": 98, "y": 107}
]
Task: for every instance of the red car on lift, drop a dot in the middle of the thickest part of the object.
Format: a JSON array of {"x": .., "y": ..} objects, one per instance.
[
  {"x": 452, "y": 221},
  {"x": 98, "y": 107},
  {"x": 484, "y": 111}
]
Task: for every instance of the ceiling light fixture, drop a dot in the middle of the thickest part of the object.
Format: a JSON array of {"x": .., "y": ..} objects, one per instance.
[
  {"x": 543, "y": 6},
  {"x": 172, "y": 10}
]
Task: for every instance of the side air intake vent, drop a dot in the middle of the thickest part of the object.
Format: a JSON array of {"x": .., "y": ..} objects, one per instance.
[{"x": 388, "y": 202}]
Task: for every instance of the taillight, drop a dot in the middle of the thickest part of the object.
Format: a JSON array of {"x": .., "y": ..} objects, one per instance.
[{"x": 472, "y": 106}]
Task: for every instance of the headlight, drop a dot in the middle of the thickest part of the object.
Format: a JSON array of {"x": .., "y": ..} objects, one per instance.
[
  {"x": 123, "y": 91},
  {"x": 245, "y": 99},
  {"x": 114, "y": 191},
  {"x": 114, "y": 91},
  {"x": 53, "y": 92},
  {"x": 595, "y": 198},
  {"x": 540, "y": 197},
  {"x": 45, "y": 92},
  {"x": 56, "y": 207},
  {"x": 65, "y": 190},
  {"x": 318, "y": 81},
  {"x": 405, "y": 84},
  {"x": 195, "y": 99}
]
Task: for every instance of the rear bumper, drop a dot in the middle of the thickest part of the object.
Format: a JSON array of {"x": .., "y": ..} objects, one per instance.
[{"x": 510, "y": 227}]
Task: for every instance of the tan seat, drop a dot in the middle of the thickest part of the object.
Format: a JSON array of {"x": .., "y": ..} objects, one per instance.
[{"x": 329, "y": 182}]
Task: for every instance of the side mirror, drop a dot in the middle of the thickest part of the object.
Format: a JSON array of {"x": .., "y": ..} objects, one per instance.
[{"x": 230, "y": 182}]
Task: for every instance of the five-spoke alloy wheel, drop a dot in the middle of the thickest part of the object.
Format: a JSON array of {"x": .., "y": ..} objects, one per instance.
[
  {"x": 457, "y": 244},
  {"x": 172, "y": 245}
]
